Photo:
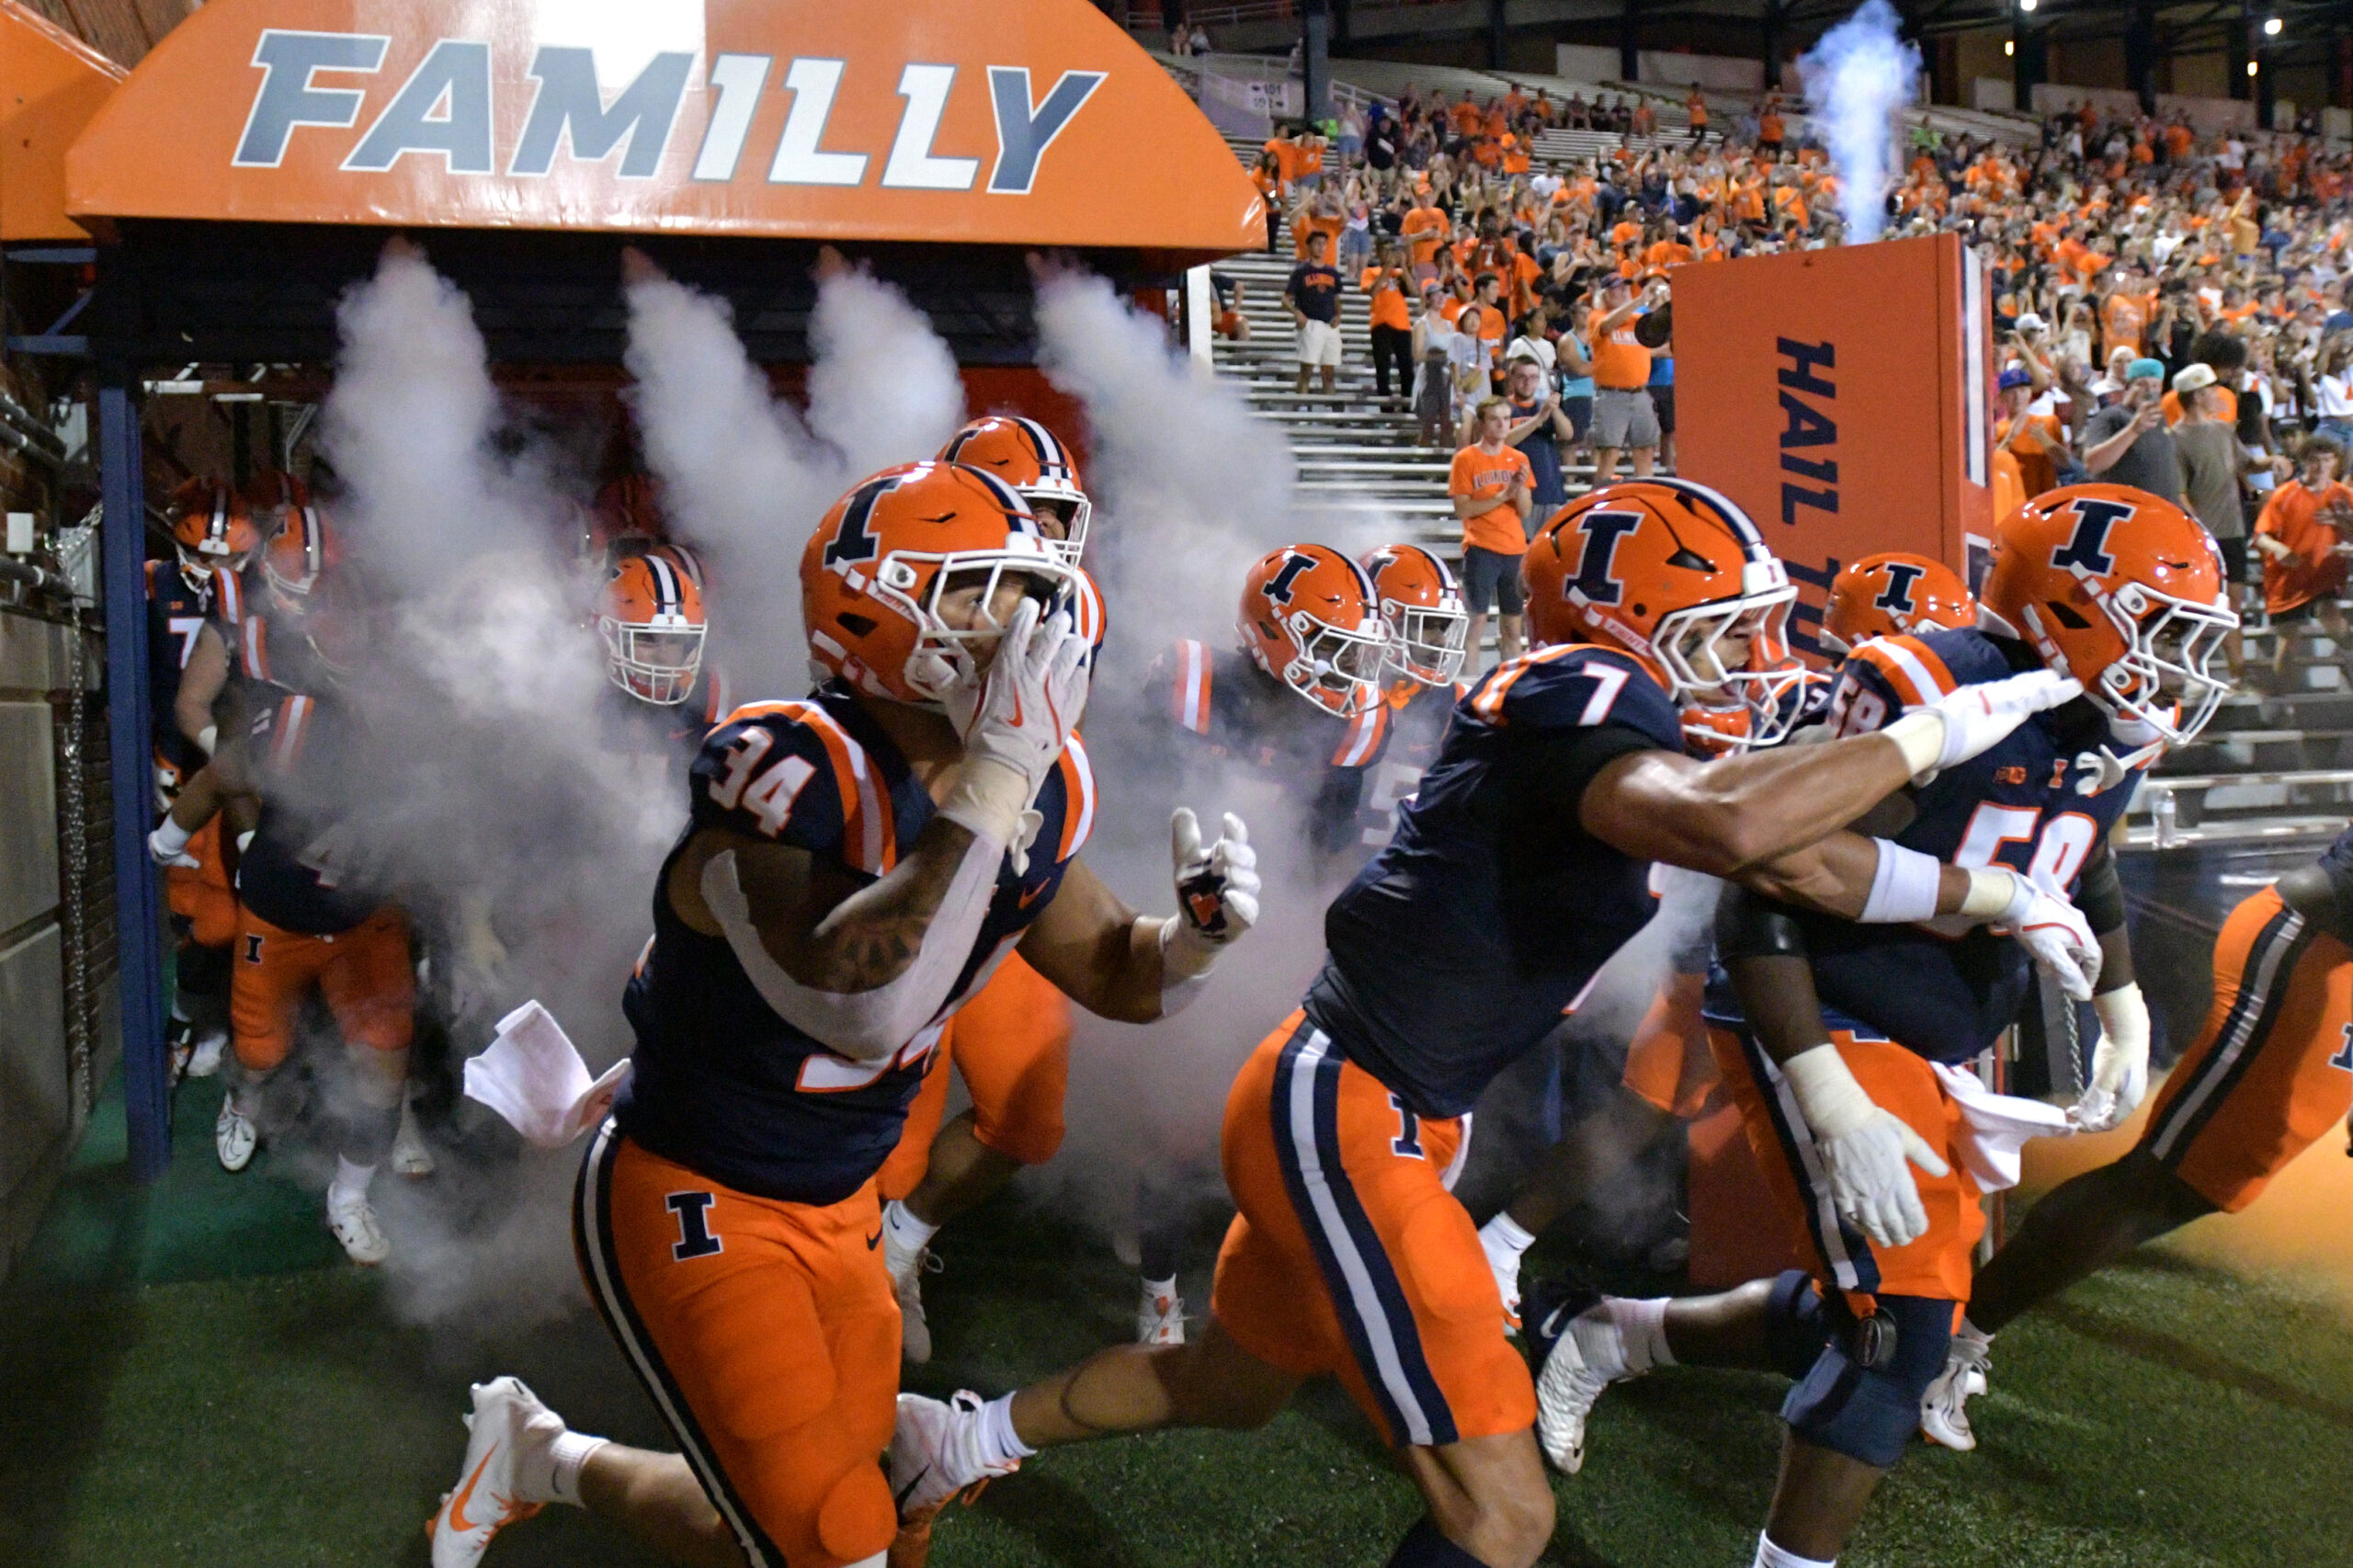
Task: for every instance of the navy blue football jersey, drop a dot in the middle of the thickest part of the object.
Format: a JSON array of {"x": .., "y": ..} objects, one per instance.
[
  {"x": 2034, "y": 802},
  {"x": 1419, "y": 716},
  {"x": 312, "y": 866},
  {"x": 1457, "y": 949},
  {"x": 1220, "y": 705},
  {"x": 178, "y": 609},
  {"x": 723, "y": 1084}
]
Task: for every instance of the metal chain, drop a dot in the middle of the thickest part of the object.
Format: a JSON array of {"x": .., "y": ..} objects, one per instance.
[{"x": 72, "y": 753}]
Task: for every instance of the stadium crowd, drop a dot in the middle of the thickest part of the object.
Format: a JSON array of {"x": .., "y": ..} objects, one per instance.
[{"x": 2131, "y": 260}]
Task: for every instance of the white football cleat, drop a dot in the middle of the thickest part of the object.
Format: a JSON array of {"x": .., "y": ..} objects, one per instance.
[
  {"x": 353, "y": 1219},
  {"x": 907, "y": 1266},
  {"x": 508, "y": 1423},
  {"x": 1160, "y": 1317},
  {"x": 1944, "y": 1408},
  {"x": 411, "y": 1159},
  {"x": 234, "y": 1135},
  {"x": 935, "y": 1453},
  {"x": 1589, "y": 1356},
  {"x": 205, "y": 1060}
]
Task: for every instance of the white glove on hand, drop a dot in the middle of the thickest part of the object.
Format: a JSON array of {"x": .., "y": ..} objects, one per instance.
[
  {"x": 168, "y": 844},
  {"x": 1027, "y": 708},
  {"x": 1962, "y": 723},
  {"x": 2053, "y": 932},
  {"x": 1217, "y": 889},
  {"x": 1863, "y": 1149},
  {"x": 2120, "y": 1062}
]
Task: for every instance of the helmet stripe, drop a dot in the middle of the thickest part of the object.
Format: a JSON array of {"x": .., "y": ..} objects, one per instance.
[{"x": 666, "y": 595}]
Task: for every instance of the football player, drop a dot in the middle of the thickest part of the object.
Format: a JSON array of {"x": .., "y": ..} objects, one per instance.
[
  {"x": 650, "y": 615},
  {"x": 2272, "y": 1071},
  {"x": 1011, "y": 1040},
  {"x": 1842, "y": 1040},
  {"x": 1520, "y": 865},
  {"x": 188, "y": 600},
  {"x": 1890, "y": 595},
  {"x": 313, "y": 914},
  {"x": 855, "y": 864},
  {"x": 1423, "y": 610}
]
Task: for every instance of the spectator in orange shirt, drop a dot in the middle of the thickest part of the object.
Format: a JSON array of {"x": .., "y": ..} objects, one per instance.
[
  {"x": 1696, "y": 106},
  {"x": 1623, "y": 415},
  {"x": 1424, "y": 228},
  {"x": 2124, "y": 318},
  {"x": 2037, "y": 441},
  {"x": 1268, "y": 177},
  {"x": 1493, "y": 488},
  {"x": 1468, "y": 115},
  {"x": 1768, "y": 126},
  {"x": 1385, "y": 284},
  {"x": 2302, "y": 534}
]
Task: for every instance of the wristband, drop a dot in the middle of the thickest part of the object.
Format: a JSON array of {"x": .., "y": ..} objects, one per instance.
[
  {"x": 1185, "y": 963},
  {"x": 169, "y": 838},
  {"x": 1921, "y": 737},
  {"x": 1904, "y": 885}
]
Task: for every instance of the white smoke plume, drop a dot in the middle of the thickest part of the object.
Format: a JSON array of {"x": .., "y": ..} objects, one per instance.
[
  {"x": 1855, "y": 79},
  {"x": 744, "y": 478}
]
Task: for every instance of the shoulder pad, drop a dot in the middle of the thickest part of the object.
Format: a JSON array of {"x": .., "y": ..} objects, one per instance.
[
  {"x": 1188, "y": 668},
  {"x": 228, "y": 596},
  {"x": 253, "y": 648},
  {"x": 788, "y": 771},
  {"x": 1903, "y": 669},
  {"x": 1574, "y": 685}
]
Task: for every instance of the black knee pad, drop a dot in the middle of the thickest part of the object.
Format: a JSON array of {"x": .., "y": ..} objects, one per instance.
[
  {"x": 1868, "y": 1412},
  {"x": 1797, "y": 1324},
  {"x": 201, "y": 971}
]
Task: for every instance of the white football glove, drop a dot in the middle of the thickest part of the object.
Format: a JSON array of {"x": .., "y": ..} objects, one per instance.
[
  {"x": 1217, "y": 887},
  {"x": 1864, "y": 1149},
  {"x": 1961, "y": 723},
  {"x": 2120, "y": 1062},
  {"x": 1015, "y": 727},
  {"x": 2053, "y": 932},
  {"x": 168, "y": 844}
]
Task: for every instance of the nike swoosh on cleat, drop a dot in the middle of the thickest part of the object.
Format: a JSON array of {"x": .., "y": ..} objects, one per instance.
[
  {"x": 458, "y": 1520},
  {"x": 908, "y": 1490}
]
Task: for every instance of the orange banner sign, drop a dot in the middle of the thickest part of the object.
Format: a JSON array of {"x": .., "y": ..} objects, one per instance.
[
  {"x": 1036, "y": 122},
  {"x": 1840, "y": 397},
  {"x": 50, "y": 83}
]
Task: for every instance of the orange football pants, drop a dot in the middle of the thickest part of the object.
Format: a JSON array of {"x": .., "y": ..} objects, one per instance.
[
  {"x": 1351, "y": 1256},
  {"x": 1938, "y": 1265},
  {"x": 765, "y": 1334},
  {"x": 364, "y": 973},
  {"x": 2272, "y": 1070},
  {"x": 1011, "y": 1042},
  {"x": 201, "y": 895}
]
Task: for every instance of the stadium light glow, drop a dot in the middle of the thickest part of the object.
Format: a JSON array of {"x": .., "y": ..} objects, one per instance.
[
  {"x": 2026, "y": 4},
  {"x": 2252, "y": 67},
  {"x": 2009, "y": 46},
  {"x": 2272, "y": 26}
]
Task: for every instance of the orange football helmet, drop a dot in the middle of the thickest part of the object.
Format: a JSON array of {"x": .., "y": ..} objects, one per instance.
[
  {"x": 2122, "y": 591},
  {"x": 303, "y": 551},
  {"x": 874, "y": 573},
  {"x": 1032, "y": 459},
  {"x": 212, "y": 526},
  {"x": 1891, "y": 594},
  {"x": 1667, "y": 570},
  {"x": 1423, "y": 610},
  {"x": 650, "y": 617},
  {"x": 1310, "y": 617},
  {"x": 273, "y": 490}
]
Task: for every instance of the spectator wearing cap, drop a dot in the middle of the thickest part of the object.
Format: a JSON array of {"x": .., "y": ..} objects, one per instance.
[
  {"x": 1313, "y": 295},
  {"x": 2210, "y": 461},
  {"x": 1623, "y": 416},
  {"x": 2038, "y": 441},
  {"x": 2129, "y": 443}
]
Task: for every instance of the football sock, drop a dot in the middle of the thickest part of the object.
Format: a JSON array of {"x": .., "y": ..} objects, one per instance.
[
  {"x": 1642, "y": 1327},
  {"x": 1505, "y": 1240},
  {"x": 1772, "y": 1556},
  {"x": 1001, "y": 1445},
  {"x": 351, "y": 1180},
  {"x": 1423, "y": 1547},
  {"x": 565, "y": 1459},
  {"x": 907, "y": 1233},
  {"x": 1159, "y": 1287}
]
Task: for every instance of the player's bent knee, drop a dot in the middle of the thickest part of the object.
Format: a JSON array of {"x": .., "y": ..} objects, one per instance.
[
  {"x": 1868, "y": 1414},
  {"x": 1796, "y": 1323},
  {"x": 857, "y": 1517},
  {"x": 1029, "y": 1137}
]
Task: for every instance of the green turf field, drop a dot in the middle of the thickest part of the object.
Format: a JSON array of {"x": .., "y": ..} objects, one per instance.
[{"x": 194, "y": 1377}]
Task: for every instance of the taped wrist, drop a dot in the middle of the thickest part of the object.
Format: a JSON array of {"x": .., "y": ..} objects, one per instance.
[
  {"x": 170, "y": 837},
  {"x": 1185, "y": 959},
  {"x": 2123, "y": 1018},
  {"x": 2100, "y": 896},
  {"x": 988, "y": 797},
  {"x": 866, "y": 1026},
  {"x": 1995, "y": 893},
  {"x": 1828, "y": 1095},
  {"x": 1921, "y": 737},
  {"x": 1904, "y": 885}
]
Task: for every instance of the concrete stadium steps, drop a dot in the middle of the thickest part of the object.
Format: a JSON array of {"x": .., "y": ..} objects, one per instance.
[{"x": 2275, "y": 764}]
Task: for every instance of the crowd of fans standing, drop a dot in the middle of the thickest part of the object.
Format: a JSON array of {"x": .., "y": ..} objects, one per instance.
[{"x": 2170, "y": 303}]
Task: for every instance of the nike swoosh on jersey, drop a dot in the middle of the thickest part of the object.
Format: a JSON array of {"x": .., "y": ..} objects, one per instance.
[{"x": 874, "y": 1241}]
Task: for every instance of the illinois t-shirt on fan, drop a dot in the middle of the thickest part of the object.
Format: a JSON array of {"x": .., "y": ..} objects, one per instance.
[{"x": 1484, "y": 475}]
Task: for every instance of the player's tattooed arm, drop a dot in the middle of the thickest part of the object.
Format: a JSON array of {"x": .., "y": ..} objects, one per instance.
[
  {"x": 1096, "y": 950},
  {"x": 829, "y": 930}
]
